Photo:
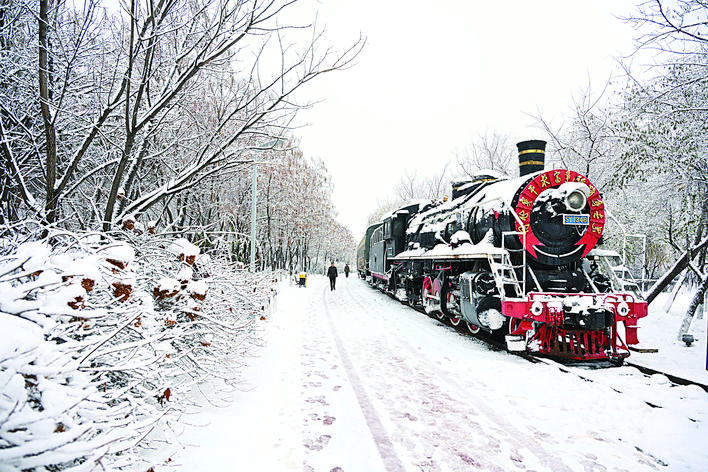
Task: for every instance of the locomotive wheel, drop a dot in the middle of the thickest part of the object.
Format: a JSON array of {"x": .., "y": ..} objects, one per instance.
[
  {"x": 410, "y": 294},
  {"x": 454, "y": 319},
  {"x": 425, "y": 299},
  {"x": 472, "y": 328}
]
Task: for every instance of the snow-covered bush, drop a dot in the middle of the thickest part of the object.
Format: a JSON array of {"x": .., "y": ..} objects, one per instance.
[{"x": 103, "y": 340}]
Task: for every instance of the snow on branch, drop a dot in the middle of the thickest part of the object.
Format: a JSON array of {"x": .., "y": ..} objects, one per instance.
[{"x": 103, "y": 340}]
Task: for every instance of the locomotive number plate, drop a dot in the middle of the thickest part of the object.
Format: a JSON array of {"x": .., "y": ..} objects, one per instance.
[{"x": 576, "y": 219}]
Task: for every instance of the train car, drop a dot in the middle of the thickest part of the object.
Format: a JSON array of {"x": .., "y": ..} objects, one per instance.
[
  {"x": 512, "y": 257},
  {"x": 362, "y": 252}
]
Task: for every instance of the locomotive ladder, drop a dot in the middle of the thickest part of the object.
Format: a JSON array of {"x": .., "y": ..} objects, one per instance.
[{"x": 504, "y": 274}]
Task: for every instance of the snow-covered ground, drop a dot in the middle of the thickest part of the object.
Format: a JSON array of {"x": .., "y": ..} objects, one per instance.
[{"x": 352, "y": 380}]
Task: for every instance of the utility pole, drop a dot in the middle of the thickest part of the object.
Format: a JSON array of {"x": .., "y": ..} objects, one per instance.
[{"x": 254, "y": 181}]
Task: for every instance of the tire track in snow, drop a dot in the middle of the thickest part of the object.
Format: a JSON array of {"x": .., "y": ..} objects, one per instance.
[
  {"x": 546, "y": 458},
  {"x": 384, "y": 444}
]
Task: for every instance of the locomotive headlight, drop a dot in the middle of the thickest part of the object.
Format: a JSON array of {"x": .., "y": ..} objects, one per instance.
[
  {"x": 576, "y": 195},
  {"x": 623, "y": 309},
  {"x": 536, "y": 308},
  {"x": 575, "y": 201}
]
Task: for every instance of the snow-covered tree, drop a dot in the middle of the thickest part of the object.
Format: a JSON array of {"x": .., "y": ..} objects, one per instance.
[
  {"x": 432, "y": 186},
  {"x": 491, "y": 150},
  {"x": 663, "y": 125},
  {"x": 110, "y": 118},
  {"x": 586, "y": 142}
]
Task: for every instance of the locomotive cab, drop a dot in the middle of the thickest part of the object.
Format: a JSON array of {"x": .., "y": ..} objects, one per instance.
[
  {"x": 394, "y": 231},
  {"x": 389, "y": 240}
]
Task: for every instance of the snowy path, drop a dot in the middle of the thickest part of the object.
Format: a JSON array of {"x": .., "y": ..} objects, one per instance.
[
  {"x": 439, "y": 421},
  {"x": 354, "y": 381}
]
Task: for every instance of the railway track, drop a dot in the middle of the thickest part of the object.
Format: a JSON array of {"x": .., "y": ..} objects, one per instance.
[
  {"x": 675, "y": 379},
  {"x": 570, "y": 367}
]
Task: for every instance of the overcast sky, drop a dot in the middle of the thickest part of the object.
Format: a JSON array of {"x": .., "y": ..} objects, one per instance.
[{"x": 436, "y": 74}]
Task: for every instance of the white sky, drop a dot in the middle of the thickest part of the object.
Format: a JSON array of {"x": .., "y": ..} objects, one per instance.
[{"x": 436, "y": 74}]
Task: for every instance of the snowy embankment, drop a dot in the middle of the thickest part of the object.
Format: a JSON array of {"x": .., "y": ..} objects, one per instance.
[
  {"x": 660, "y": 331},
  {"x": 103, "y": 342},
  {"x": 351, "y": 380}
]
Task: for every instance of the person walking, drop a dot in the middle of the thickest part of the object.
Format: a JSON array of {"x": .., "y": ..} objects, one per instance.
[
  {"x": 332, "y": 274},
  {"x": 346, "y": 270}
]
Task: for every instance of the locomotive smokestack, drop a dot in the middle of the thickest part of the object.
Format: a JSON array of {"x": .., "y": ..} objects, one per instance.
[{"x": 531, "y": 156}]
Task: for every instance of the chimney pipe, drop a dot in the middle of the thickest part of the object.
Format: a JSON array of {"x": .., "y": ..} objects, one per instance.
[{"x": 531, "y": 156}]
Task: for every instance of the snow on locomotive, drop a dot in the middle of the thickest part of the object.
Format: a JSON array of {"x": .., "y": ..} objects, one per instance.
[{"x": 512, "y": 257}]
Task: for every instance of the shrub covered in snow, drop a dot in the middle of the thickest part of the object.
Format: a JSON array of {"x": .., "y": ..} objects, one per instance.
[{"x": 103, "y": 340}]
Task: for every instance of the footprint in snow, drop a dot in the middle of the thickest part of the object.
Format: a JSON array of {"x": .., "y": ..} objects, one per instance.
[
  {"x": 319, "y": 443},
  {"x": 319, "y": 399}
]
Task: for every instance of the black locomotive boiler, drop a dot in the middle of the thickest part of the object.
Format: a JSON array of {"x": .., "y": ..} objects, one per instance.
[{"x": 513, "y": 257}]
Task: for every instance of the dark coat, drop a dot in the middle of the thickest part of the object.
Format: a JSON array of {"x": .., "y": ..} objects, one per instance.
[{"x": 332, "y": 272}]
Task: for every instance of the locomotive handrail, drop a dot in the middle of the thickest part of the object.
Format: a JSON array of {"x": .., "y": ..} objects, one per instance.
[
  {"x": 589, "y": 279},
  {"x": 535, "y": 279},
  {"x": 504, "y": 274},
  {"x": 625, "y": 236},
  {"x": 521, "y": 225}
]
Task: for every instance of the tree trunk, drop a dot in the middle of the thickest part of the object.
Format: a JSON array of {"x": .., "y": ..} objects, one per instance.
[
  {"x": 117, "y": 179},
  {"x": 130, "y": 132},
  {"x": 695, "y": 303},
  {"x": 47, "y": 121},
  {"x": 133, "y": 172},
  {"x": 678, "y": 267}
]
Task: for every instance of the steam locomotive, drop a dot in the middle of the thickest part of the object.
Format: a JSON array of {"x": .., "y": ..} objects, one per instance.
[{"x": 514, "y": 257}]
